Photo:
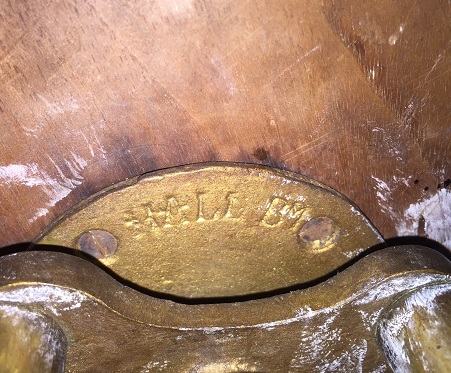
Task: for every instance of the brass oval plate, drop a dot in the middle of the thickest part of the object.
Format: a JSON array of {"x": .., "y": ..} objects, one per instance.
[{"x": 217, "y": 230}]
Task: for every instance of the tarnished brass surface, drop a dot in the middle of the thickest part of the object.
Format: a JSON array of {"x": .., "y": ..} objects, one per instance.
[
  {"x": 217, "y": 230},
  {"x": 30, "y": 341},
  {"x": 329, "y": 327},
  {"x": 416, "y": 330}
]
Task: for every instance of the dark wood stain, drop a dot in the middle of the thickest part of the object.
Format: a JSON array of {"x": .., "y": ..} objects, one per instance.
[{"x": 90, "y": 97}]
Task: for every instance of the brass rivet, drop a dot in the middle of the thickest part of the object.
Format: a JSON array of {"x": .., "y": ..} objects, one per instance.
[
  {"x": 98, "y": 243},
  {"x": 212, "y": 230},
  {"x": 320, "y": 233}
]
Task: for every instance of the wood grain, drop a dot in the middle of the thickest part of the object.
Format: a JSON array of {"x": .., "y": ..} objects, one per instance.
[{"x": 354, "y": 94}]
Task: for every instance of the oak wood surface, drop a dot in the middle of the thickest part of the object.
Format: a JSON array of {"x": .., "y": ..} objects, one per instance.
[{"x": 354, "y": 94}]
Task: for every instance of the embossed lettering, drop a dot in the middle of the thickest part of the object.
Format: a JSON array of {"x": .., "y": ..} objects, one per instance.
[
  {"x": 133, "y": 219},
  {"x": 277, "y": 209},
  {"x": 200, "y": 207},
  {"x": 166, "y": 213},
  {"x": 283, "y": 212},
  {"x": 174, "y": 210},
  {"x": 233, "y": 211}
]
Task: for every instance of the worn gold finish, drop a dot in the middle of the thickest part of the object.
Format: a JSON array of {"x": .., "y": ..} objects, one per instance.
[
  {"x": 228, "y": 230},
  {"x": 217, "y": 230},
  {"x": 416, "y": 330},
  {"x": 335, "y": 326},
  {"x": 29, "y": 340}
]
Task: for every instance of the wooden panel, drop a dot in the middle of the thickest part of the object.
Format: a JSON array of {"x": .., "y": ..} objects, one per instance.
[{"x": 354, "y": 94}]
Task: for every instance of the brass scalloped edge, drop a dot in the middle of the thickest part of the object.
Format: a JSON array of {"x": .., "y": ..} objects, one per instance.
[
  {"x": 376, "y": 268},
  {"x": 240, "y": 217},
  {"x": 331, "y": 324}
]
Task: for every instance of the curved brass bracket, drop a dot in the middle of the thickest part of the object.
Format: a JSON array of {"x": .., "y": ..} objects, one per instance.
[
  {"x": 217, "y": 230},
  {"x": 221, "y": 231},
  {"x": 329, "y": 327}
]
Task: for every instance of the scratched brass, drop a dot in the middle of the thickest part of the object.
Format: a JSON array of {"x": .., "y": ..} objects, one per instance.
[
  {"x": 415, "y": 331},
  {"x": 330, "y": 327},
  {"x": 29, "y": 340},
  {"x": 218, "y": 230}
]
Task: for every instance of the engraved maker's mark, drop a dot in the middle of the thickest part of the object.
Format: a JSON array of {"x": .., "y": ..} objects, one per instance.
[
  {"x": 231, "y": 210},
  {"x": 173, "y": 210},
  {"x": 283, "y": 213},
  {"x": 166, "y": 216},
  {"x": 317, "y": 234}
]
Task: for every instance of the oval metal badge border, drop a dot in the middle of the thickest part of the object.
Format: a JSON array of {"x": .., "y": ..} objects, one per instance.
[{"x": 217, "y": 230}]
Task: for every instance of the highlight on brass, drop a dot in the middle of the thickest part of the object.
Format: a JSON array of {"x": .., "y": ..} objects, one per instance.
[
  {"x": 217, "y": 230},
  {"x": 222, "y": 268}
]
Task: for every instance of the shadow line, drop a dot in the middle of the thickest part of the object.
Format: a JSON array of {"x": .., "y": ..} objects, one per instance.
[{"x": 397, "y": 241}]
